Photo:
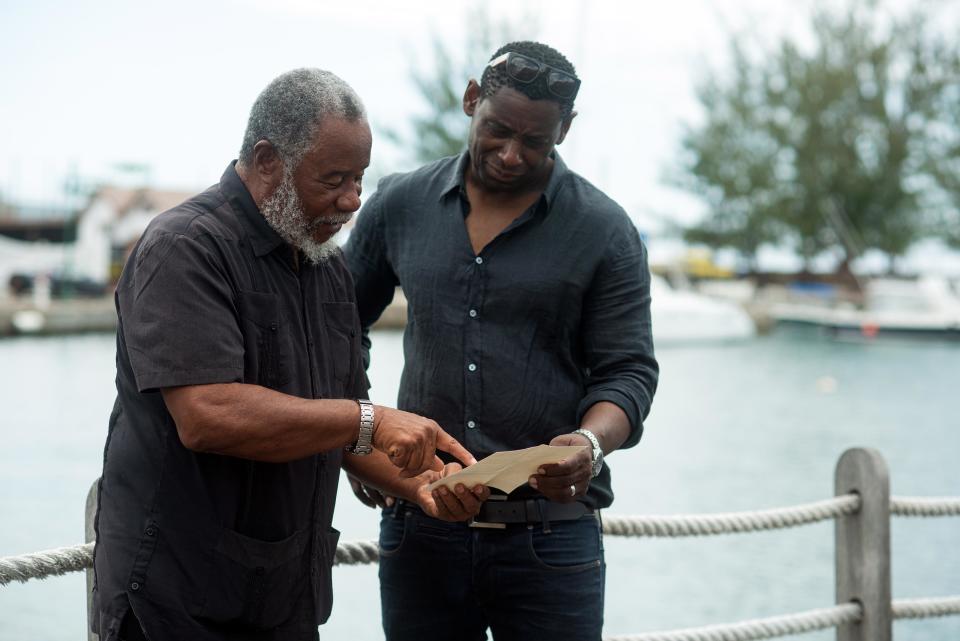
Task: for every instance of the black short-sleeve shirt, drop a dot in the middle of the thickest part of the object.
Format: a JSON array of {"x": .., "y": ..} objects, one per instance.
[{"x": 197, "y": 543}]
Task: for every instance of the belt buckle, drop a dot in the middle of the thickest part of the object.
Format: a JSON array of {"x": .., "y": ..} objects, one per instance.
[
  {"x": 473, "y": 522},
  {"x": 486, "y": 524}
]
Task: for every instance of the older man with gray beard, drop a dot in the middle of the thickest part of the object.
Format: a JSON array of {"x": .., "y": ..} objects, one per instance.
[{"x": 239, "y": 387}]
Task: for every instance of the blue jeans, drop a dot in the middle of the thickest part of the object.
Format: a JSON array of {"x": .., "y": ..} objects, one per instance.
[{"x": 442, "y": 580}]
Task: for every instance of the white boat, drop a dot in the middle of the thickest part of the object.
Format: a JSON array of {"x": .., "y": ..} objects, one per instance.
[
  {"x": 924, "y": 308},
  {"x": 683, "y": 316}
]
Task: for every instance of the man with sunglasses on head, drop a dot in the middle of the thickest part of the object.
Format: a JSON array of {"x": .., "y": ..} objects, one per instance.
[{"x": 528, "y": 323}]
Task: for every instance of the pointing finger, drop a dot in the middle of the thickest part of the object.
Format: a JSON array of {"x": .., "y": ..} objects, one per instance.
[{"x": 450, "y": 445}]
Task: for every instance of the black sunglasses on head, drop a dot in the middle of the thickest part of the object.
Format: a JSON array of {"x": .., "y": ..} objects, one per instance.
[{"x": 525, "y": 69}]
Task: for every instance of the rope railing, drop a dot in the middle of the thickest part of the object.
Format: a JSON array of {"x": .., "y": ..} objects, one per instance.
[
  {"x": 47, "y": 563},
  {"x": 925, "y": 506},
  {"x": 731, "y": 522},
  {"x": 60, "y": 561},
  {"x": 926, "y": 608},
  {"x": 767, "y": 628},
  {"x": 65, "y": 560},
  {"x": 799, "y": 623}
]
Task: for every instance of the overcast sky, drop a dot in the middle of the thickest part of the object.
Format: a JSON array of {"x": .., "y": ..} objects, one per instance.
[{"x": 169, "y": 84}]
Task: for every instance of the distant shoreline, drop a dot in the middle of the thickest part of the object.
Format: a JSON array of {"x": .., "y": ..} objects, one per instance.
[{"x": 22, "y": 316}]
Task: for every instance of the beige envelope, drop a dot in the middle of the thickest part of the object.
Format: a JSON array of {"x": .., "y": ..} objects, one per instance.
[{"x": 507, "y": 471}]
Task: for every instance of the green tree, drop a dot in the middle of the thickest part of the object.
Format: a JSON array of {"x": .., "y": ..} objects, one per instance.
[
  {"x": 944, "y": 159},
  {"x": 825, "y": 147},
  {"x": 443, "y": 129}
]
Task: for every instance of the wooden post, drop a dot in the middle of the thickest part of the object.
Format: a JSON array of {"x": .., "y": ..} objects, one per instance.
[
  {"x": 90, "y": 535},
  {"x": 863, "y": 545}
]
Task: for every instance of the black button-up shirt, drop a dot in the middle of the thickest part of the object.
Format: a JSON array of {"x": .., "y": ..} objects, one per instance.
[
  {"x": 200, "y": 543},
  {"x": 509, "y": 348}
]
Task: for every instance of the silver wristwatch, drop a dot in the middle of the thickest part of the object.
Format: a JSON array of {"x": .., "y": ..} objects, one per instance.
[
  {"x": 597, "y": 453},
  {"x": 363, "y": 445}
]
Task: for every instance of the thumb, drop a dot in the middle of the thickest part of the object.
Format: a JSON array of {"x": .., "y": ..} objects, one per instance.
[{"x": 565, "y": 439}]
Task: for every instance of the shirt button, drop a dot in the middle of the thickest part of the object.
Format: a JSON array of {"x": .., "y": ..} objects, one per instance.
[
  {"x": 471, "y": 424},
  {"x": 134, "y": 586},
  {"x": 473, "y": 313},
  {"x": 479, "y": 260},
  {"x": 472, "y": 367}
]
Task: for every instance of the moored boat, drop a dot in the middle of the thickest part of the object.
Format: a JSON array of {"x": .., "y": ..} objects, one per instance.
[{"x": 925, "y": 308}]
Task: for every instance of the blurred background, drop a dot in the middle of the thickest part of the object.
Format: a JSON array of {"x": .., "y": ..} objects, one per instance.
[{"x": 794, "y": 168}]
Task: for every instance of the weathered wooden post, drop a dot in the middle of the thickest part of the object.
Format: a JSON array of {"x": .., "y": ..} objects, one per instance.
[
  {"x": 863, "y": 545},
  {"x": 90, "y": 535}
]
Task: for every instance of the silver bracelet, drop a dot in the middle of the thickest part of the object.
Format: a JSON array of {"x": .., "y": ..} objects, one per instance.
[
  {"x": 363, "y": 445},
  {"x": 597, "y": 454}
]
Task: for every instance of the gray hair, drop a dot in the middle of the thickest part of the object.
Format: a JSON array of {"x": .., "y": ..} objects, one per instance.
[{"x": 287, "y": 112}]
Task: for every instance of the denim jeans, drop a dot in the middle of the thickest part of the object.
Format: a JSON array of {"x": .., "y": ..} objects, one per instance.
[{"x": 446, "y": 581}]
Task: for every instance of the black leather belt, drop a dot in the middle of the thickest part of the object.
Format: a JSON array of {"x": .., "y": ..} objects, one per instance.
[{"x": 497, "y": 514}]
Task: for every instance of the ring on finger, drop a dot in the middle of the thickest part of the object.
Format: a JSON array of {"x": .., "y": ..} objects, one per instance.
[{"x": 573, "y": 490}]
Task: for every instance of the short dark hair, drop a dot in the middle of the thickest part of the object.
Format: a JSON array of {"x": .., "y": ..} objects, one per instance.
[{"x": 494, "y": 78}]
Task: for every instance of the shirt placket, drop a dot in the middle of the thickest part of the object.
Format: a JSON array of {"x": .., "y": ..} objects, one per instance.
[
  {"x": 473, "y": 366},
  {"x": 304, "y": 280},
  {"x": 473, "y": 353}
]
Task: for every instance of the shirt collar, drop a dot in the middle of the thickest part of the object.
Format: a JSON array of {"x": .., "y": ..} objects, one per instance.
[
  {"x": 456, "y": 177},
  {"x": 262, "y": 237},
  {"x": 557, "y": 177}
]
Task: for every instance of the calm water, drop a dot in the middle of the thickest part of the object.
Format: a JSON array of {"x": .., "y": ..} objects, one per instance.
[{"x": 738, "y": 427}]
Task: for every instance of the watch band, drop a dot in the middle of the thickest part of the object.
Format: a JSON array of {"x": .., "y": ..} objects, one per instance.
[
  {"x": 363, "y": 445},
  {"x": 596, "y": 454}
]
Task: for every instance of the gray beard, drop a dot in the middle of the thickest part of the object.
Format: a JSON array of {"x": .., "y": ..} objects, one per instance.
[{"x": 283, "y": 211}]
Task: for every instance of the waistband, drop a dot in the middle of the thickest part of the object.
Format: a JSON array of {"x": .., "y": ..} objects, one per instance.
[
  {"x": 498, "y": 513},
  {"x": 530, "y": 511}
]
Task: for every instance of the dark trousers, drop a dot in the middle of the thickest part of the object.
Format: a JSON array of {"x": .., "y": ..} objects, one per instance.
[{"x": 442, "y": 581}]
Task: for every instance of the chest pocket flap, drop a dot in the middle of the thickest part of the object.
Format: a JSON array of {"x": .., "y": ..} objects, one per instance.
[
  {"x": 266, "y": 337},
  {"x": 343, "y": 328}
]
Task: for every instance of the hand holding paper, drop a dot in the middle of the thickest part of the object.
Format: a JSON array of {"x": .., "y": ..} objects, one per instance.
[{"x": 507, "y": 471}]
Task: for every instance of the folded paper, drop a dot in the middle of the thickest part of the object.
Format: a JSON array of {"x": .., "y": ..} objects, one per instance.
[{"x": 507, "y": 471}]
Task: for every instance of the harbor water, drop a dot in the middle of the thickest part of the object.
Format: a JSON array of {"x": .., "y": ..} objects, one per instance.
[{"x": 750, "y": 425}]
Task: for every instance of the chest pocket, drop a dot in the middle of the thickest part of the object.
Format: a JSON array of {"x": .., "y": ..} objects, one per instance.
[
  {"x": 267, "y": 349},
  {"x": 343, "y": 331}
]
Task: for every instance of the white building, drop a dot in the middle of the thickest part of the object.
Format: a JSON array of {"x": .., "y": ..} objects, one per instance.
[{"x": 111, "y": 223}]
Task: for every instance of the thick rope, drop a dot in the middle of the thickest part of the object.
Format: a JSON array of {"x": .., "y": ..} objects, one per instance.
[
  {"x": 730, "y": 522},
  {"x": 40, "y": 565},
  {"x": 72, "y": 559},
  {"x": 357, "y": 553},
  {"x": 59, "y": 561},
  {"x": 768, "y": 628},
  {"x": 925, "y": 506},
  {"x": 926, "y": 608}
]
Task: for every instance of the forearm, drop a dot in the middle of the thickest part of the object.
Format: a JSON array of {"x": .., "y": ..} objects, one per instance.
[
  {"x": 608, "y": 423},
  {"x": 257, "y": 423}
]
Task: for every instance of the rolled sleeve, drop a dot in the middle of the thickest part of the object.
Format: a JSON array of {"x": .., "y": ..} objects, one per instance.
[
  {"x": 617, "y": 337},
  {"x": 178, "y": 316}
]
